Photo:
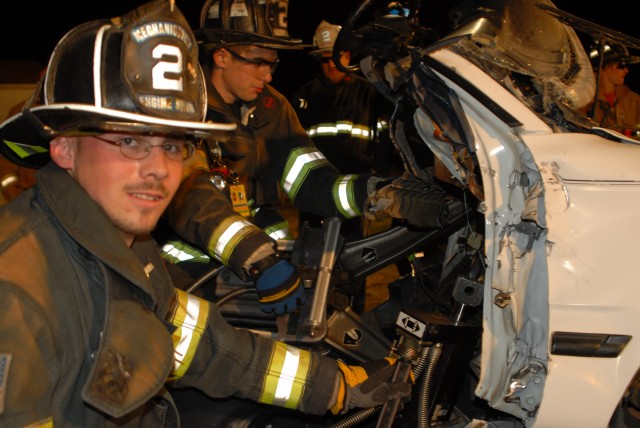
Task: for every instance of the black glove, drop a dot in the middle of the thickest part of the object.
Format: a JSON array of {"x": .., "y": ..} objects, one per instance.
[
  {"x": 278, "y": 286},
  {"x": 368, "y": 385},
  {"x": 408, "y": 198}
]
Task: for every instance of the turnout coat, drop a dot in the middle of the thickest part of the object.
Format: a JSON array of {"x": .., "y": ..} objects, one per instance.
[{"x": 91, "y": 330}]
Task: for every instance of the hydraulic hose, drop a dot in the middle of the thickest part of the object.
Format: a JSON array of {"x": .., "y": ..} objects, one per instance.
[{"x": 425, "y": 387}]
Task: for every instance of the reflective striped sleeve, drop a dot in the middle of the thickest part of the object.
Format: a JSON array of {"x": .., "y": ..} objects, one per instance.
[
  {"x": 300, "y": 163},
  {"x": 190, "y": 319},
  {"x": 227, "y": 235},
  {"x": 344, "y": 196},
  {"x": 286, "y": 376},
  {"x": 300, "y": 380},
  {"x": 232, "y": 361}
]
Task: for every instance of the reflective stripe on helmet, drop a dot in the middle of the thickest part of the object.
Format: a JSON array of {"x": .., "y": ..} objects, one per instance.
[
  {"x": 24, "y": 150},
  {"x": 229, "y": 232},
  {"x": 340, "y": 128},
  {"x": 190, "y": 319},
  {"x": 176, "y": 252},
  {"x": 279, "y": 230},
  {"x": 301, "y": 161},
  {"x": 344, "y": 198},
  {"x": 286, "y": 376}
]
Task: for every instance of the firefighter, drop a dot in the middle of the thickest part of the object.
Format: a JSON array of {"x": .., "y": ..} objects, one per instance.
[
  {"x": 616, "y": 106},
  {"x": 270, "y": 153},
  {"x": 91, "y": 328},
  {"x": 347, "y": 119}
]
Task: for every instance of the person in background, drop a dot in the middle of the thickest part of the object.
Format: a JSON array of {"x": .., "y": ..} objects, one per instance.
[
  {"x": 346, "y": 117},
  {"x": 348, "y": 121},
  {"x": 91, "y": 327},
  {"x": 616, "y": 105}
]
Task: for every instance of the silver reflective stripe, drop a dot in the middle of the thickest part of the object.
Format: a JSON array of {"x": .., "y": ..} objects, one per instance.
[
  {"x": 97, "y": 66},
  {"x": 278, "y": 231},
  {"x": 341, "y": 127},
  {"x": 344, "y": 197},
  {"x": 190, "y": 318},
  {"x": 301, "y": 161},
  {"x": 176, "y": 252},
  {"x": 287, "y": 377},
  {"x": 187, "y": 329},
  {"x": 227, "y": 236}
]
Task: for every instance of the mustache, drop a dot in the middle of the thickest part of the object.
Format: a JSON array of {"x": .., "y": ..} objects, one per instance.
[{"x": 146, "y": 186}]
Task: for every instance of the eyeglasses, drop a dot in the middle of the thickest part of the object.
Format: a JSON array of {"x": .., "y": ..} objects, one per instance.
[
  {"x": 134, "y": 149},
  {"x": 257, "y": 62}
]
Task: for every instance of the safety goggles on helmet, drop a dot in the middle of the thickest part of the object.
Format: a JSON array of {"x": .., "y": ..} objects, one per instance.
[{"x": 135, "y": 74}]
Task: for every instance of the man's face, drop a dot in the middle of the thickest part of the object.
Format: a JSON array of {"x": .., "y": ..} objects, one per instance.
[
  {"x": 329, "y": 69},
  {"x": 615, "y": 72},
  {"x": 133, "y": 192},
  {"x": 242, "y": 71}
]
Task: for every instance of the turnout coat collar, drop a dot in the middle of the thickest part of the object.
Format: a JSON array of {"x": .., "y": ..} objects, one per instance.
[
  {"x": 87, "y": 223},
  {"x": 135, "y": 352}
]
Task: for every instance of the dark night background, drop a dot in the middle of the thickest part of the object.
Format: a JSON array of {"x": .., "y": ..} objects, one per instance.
[{"x": 31, "y": 28}]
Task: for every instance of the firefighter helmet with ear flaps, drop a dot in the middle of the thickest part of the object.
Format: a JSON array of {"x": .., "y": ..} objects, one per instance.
[
  {"x": 138, "y": 73},
  {"x": 246, "y": 22}
]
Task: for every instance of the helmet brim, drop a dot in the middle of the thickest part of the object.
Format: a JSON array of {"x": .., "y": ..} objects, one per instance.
[
  {"x": 215, "y": 39},
  {"x": 25, "y": 137},
  {"x": 319, "y": 51},
  {"x": 629, "y": 60}
]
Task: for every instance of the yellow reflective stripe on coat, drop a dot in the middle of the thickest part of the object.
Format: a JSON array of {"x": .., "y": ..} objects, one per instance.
[
  {"x": 343, "y": 195},
  {"x": 286, "y": 376},
  {"x": 46, "y": 423},
  {"x": 227, "y": 235},
  {"x": 190, "y": 320},
  {"x": 300, "y": 163},
  {"x": 342, "y": 127},
  {"x": 177, "y": 251}
]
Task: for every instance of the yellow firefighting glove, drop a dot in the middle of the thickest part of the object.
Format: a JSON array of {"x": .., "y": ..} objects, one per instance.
[{"x": 368, "y": 385}]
